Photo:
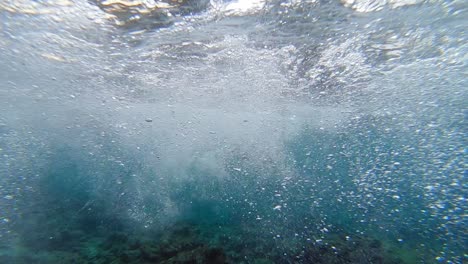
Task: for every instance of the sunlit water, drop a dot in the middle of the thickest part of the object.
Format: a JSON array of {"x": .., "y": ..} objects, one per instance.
[{"x": 244, "y": 131}]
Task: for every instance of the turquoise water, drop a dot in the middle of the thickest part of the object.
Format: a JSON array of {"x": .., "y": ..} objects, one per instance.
[{"x": 233, "y": 132}]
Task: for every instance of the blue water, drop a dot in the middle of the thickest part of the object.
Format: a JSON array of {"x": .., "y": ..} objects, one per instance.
[{"x": 243, "y": 131}]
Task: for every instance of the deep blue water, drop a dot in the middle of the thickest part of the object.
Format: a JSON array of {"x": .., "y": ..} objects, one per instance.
[{"x": 244, "y": 131}]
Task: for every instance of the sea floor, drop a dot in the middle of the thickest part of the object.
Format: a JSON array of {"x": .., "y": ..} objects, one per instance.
[{"x": 189, "y": 242}]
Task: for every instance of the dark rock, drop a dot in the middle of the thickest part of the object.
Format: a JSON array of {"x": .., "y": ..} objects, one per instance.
[
  {"x": 375, "y": 243},
  {"x": 150, "y": 253},
  {"x": 215, "y": 256}
]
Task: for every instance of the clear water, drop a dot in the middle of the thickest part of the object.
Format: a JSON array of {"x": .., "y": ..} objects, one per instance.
[{"x": 245, "y": 131}]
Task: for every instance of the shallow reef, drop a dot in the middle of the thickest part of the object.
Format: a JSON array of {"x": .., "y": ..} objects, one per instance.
[{"x": 191, "y": 242}]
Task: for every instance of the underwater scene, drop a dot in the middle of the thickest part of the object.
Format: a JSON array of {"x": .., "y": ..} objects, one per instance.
[{"x": 233, "y": 131}]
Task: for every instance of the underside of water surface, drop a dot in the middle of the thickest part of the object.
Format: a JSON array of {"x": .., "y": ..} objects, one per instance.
[{"x": 233, "y": 131}]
